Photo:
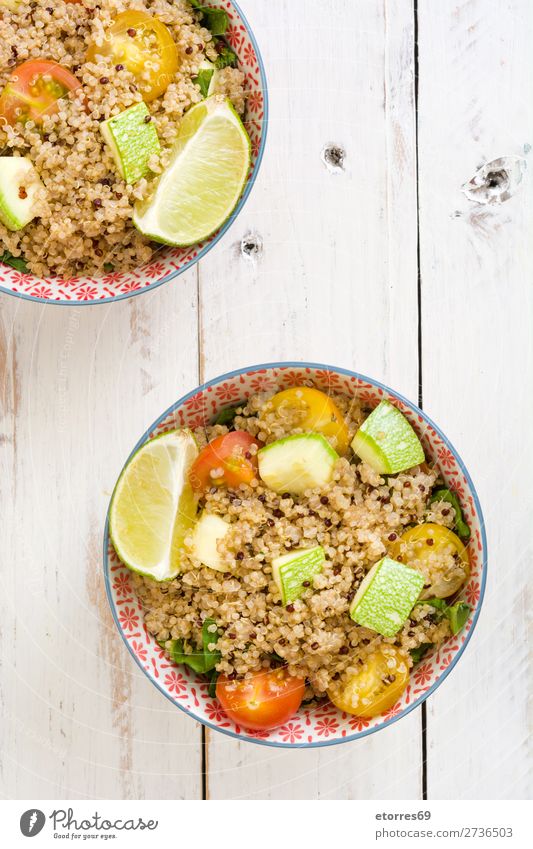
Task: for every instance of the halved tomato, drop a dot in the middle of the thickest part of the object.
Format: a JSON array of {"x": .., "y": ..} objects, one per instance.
[
  {"x": 145, "y": 47},
  {"x": 225, "y": 461},
  {"x": 34, "y": 89},
  {"x": 317, "y": 413},
  {"x": 265, "y": 700},
  {"x": 376, "y": 687}
]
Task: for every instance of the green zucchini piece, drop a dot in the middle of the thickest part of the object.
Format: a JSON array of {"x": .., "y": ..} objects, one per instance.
[
  {"x": 132, "y": 138},
  {"x": 291, "y": 570},
  {"x": 387, "y": 442},
  {"x": 208, "y": 531},
  {"x": 297, "y": 463},
  {"x": 19, "y": 184},
  {"x": 386, "y": 597}
]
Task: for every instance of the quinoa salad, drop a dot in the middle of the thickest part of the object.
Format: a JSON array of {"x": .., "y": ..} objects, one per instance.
[
  {"x": 93, "y": 95},
  {"x": 315, "y": 553}
]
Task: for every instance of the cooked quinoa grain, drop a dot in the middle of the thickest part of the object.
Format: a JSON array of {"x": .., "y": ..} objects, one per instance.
[
  {"x": 355, "y": 518},
  {"x": 85, "y": 215}
]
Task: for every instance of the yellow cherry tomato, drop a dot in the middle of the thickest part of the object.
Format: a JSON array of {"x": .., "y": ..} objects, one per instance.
[
  {"x": 438, "y": 554},
  {"x": 318, "y": 414},
  {"x": 376, "y": 687},
  {"x": 145, "y": 47}
]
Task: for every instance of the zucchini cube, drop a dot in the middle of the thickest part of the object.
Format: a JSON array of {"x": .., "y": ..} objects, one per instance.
[
  {"x": 387, "y": 442},
  {"x": 291, "y": 570},
  {"x": 386, "y": 597},
  {"x": 133, "y": 140}
]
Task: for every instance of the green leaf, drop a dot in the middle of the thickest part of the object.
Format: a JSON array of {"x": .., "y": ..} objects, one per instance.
[
  {"x": 216, "y": 20},
  {"x": 201, "y": 660},
  {"x": 212, "y": 689},
  {"x": 437, "y": 603},
  {"x": 463, "y": 530},
  {"x": 16, "y": 262},
  {"x": 418, "y": 653},
  {"x": 108, "y": 267},
  {"x": 195, "y": 660},
  {"x": 203, "y": 80},
  {"x": 227, "y": 58},
  {"x": 457, "y": 614},
  {"x": 226, "y": 417}
]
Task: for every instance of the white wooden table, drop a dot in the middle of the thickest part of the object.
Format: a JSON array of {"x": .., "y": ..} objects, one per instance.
[{"x": 384, "y": 267}]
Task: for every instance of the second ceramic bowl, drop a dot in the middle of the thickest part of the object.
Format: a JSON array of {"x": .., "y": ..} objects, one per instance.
[{"x": 166, "y": 263}]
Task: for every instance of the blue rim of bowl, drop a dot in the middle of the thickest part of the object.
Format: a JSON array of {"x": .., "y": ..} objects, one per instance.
[
  {"x": 225, "y": 227},
  {"x": 315, "y": 366}
]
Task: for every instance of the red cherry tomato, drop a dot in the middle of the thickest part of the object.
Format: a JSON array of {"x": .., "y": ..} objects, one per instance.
[
  {"x": 34, "y": 89},
  {"x": 226, "y": 461},
  {"x": 266, "y": 700}
]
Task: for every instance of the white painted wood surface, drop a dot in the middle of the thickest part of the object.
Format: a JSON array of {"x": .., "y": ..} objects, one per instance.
[
  {"x": 336, "y": 281},
  {"x": 476, "y": 269}
]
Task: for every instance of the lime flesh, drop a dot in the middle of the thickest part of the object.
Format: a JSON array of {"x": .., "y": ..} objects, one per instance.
[
  {"x": 204, "y": 180},
  {"x": 153, "y": 506}
]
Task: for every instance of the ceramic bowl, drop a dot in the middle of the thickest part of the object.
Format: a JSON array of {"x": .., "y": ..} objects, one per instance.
[
  {"x": 167, "y": 263},
  {"x": 322, "y": 724}
]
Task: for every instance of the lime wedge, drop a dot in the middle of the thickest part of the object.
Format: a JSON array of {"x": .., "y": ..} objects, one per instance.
[
  {"x": 200, "y": 188},
  {"x": 153, "y": 506}
]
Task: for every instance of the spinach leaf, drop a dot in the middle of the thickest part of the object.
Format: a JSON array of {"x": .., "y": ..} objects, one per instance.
[
  {"x": 226, "y": 417},
  {"x": 456, "y": 614},
  {"x": 108, "y": 267},
  {"x": 212, "y": 689},
  {"x": 216, "y": 20},
  {"x": 437, "y": 603},
  {"x": 227, "y": 58},
  {"x": 463, "y": 530},
  {"x": 202, "y": 660},
  {"x": 196, "y": 659},
  {"x": 203, "y": 80},
  {"x": 16, "y": 262},
  {"x": 418, "y": 653}
]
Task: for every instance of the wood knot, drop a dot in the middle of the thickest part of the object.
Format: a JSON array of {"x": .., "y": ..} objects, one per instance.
[
  {"x": 251, "y": 246},
  {"x": 333, "y": 156},
  {"x": 496, "y": 181}
]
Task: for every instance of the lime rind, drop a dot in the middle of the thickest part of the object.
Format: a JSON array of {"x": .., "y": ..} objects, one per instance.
[
  {"x": 177, "y": 198},
  {"x": 132, "y": 526}
]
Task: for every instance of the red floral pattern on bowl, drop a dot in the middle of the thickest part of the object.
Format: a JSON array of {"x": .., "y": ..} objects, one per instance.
[
  {"x": 319, "y": 724},
  {"x": 166, "y": 263}
]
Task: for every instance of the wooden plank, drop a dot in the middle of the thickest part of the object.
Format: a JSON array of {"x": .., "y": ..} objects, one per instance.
[
  {"x": 79, "y": 386},
  {"x": 335, "y": 281},
  {"x": 475, "y": 68}
]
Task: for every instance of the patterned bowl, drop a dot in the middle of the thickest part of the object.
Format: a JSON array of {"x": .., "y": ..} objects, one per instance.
[
  {"x": 320, "y": 725},
  {"x": 167, "y": 263}
]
